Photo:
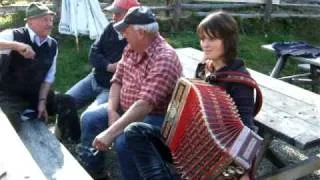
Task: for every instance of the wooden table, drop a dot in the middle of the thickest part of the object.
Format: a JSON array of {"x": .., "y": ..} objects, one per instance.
[
  {"x": 54, "y": 159},
  {"x": 35, "y": 153},
  {"x": 15, "y": 159},
  {"x": 288, "y": 112},
  {"x": 314, "y": 74}
]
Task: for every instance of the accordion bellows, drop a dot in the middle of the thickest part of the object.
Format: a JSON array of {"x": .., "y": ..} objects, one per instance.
[{"x": 204, "y": 132}]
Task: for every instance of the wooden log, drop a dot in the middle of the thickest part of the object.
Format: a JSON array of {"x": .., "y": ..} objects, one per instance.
[
  {"x": 177, "y": 13},
  {"x": 268, "y": 10},
  {"x": 161, "y": 8},
  {"x": 299, "y": 5},
  {"x": 241, "y": 1},
  {"x": 242, "y": 15},
  {"x": 167, "y": 4},
  {"x": 57, "y": 4},
  {"x": 260, "y": 15},
  {"x": 216, "y": 6}
]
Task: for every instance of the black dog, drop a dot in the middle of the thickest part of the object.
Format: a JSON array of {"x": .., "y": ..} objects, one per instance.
[{"x": 67, "y": 123}]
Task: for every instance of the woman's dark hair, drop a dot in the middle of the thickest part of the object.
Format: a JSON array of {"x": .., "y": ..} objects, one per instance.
[{"x": 223, "y": 26}]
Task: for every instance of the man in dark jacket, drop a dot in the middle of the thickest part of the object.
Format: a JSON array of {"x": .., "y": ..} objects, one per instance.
[{"x": 104, "y": 55}]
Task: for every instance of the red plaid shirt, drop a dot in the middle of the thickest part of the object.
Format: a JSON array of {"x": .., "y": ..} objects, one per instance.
[{"x": 150, "y": 76}]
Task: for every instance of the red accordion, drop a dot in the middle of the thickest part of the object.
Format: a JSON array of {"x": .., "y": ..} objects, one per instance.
[{"x": 205, "y": 134}]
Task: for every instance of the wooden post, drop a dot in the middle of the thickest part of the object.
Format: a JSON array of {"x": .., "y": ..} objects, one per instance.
[
  {"x": 268, "y": 10},
  {"x": 177, "y": 13},
  {"x": 57, "y": 4},
  {"x": 167, "y": 4}
]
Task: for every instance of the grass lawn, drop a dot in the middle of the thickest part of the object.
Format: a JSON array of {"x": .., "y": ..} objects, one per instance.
[{"x": 73, "y": 65}]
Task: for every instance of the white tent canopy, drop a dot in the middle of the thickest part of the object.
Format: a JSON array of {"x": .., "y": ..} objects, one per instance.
[{"x": 82, "y": 17}]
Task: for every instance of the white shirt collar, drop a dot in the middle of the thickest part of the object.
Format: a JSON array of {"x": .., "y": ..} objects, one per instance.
[{"x": 35, "y": 38}]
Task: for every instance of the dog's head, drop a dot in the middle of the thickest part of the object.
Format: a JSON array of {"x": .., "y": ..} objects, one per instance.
[{"x": 67, "y": 118}]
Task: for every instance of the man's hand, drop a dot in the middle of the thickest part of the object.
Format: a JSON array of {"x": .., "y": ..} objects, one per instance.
[
  {"x": 112, "y": 116},
  {"x": 42, "y": 111},
  {"x": 25, "y": 50},
  {"x": 103, "y": 141}
]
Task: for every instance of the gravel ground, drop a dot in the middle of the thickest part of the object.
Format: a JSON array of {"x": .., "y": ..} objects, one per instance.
[
  {"x": 111, "y": 163},
  {"x": 285, "y": 152},
  {"x": 290, "y": 156}
]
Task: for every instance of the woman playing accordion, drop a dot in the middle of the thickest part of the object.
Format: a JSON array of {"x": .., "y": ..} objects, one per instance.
[{"x": 220, "y": 112}]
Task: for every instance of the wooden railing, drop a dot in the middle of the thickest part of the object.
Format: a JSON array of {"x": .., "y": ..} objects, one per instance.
[{"x": 177, "y": 9}]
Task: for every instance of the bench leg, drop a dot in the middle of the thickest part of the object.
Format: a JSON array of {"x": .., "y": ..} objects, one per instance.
[
  {"x": 315, "y": 76},
  {"x": 281, "y": 61}
]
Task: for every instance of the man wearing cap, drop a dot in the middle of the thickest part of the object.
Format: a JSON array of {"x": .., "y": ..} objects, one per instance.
[
  {"x": 31, "y": 56},
  {"x": 141, "y": 86},
  {"x": 104, "y": 55}
]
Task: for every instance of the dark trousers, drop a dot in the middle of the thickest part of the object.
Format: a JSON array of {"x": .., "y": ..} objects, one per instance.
[
  {"x": 13, "y": 105},
  {"x": 67, "y": 122},
  {"x": 150, "y": 154}
]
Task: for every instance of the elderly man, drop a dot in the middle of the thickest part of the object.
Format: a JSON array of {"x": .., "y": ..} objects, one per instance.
[
  {"x": 31, "y": 55},
  {"x": 142, "y": 85},
  {"x": 104, "y": 55},
  {"x": 28, "y": 67}
]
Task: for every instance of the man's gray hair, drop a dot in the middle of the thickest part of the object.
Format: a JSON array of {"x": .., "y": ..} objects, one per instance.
[{"x": 151, "y": 28}]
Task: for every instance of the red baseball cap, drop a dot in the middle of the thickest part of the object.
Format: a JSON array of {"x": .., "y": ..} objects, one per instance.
[{"x": 119, "y": 6}]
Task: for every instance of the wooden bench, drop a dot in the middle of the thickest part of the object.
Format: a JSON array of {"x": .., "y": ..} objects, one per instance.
[
  {"x": 313, "y": 77},
  {"x": 15, "y": 160},
  {"x": 44, "y": 151},
  {"x": 55, "y": 161},
  {"x": 288, "y": 112}
]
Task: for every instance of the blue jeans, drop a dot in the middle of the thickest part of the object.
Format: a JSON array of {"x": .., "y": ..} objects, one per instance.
[
  {"x": 87, "y": 90},
  {"x": 137, "y": 155},
  {"x": 93, "y": 120}
]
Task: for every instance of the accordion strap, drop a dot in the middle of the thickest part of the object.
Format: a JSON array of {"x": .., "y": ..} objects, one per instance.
[{"x": 242, "y": 78}]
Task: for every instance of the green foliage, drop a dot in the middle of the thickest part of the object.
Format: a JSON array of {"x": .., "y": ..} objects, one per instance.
[
  {"x": 10, "y": 21},
  {"x": 72, "y": 65},
  {"x": 6, "y": 2},
  {"x": 184, "y": 39}
]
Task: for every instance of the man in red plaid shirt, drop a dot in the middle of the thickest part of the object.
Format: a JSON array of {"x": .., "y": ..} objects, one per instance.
[{"x": 142, "y": 85}]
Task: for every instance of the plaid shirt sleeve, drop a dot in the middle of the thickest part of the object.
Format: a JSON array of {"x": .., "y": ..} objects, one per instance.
[
  {"x": 158, "y": 85},
  {"x": 117, "y": 77}
]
